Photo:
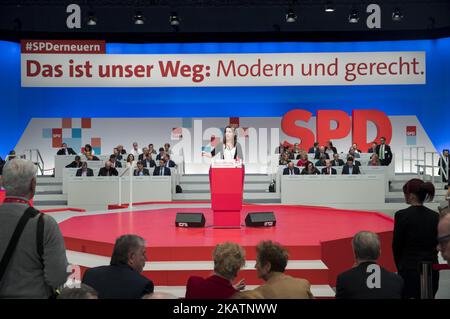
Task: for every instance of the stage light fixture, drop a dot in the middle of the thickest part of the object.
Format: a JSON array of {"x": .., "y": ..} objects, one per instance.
[
  {"x": 92, "y": 20},
  {"x": 291, "y": 17},
  {"x": 353, "y": 17},
  {"x": 329, "y": 7},
  {"x": 174, "y": 20},
  {"x": 138, "y": 18},
  {"x": 397, "y": 15}
]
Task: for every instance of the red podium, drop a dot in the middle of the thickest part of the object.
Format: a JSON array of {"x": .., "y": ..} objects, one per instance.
[{"x": 227, "y": 185}]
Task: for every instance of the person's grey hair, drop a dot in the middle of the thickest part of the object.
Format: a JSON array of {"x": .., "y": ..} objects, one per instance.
[
  {"x": 125, "y": 245},
  {"x": 17, "y": 176},
  {"x": 160, "y": 295},
  {"x": 83, "y": 292},
  {"x": 366, "y": 245},
  {"x": 228, "y": 258}
]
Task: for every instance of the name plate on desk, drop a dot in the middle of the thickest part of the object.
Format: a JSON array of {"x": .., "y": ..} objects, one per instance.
[{"x": 226, "y": 164}]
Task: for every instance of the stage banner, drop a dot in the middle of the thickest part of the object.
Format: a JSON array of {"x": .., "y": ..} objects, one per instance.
[{"x": 86, "y": 64}]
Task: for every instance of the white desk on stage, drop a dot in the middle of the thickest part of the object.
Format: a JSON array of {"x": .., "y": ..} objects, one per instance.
[
  {"x": 332, "y": 189},
  {"x": 61, "y": 161}
]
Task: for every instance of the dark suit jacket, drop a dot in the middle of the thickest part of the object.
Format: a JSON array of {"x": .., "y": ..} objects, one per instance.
[
  {"x": 74, "y": 165},
  {"x": 118, "y": 164},
  {"x": 103, "y": 172},
  {"x": 145, "y": 171},
  {"x": 295, "y": 169},
  {"x": 415, "y": 233},
  {"x": 90, "y": 172},
  {"x": 156, "y": 172},
  {"x": 213, "y": 287},
  {"x": 333, "y": 171},
  {"x": 317, "y": 156},
  {"x": 313, "y": 150},
  {"x": 352, "y": 284},
  {"x": 371, "y": 150},
  {"x": 339, "y": 162},
  {"x": 387, "y": 154},
  {"x": 118, "y": 282},
  {"x": 70, "y": 151},
  {"x": 334, "y": 149},
  {"x": 346, "y": 170},
  {"x": 158, "y": 157},
  {"x": 170, "y": 163},
  {"x": 305, "y": 172},
  {"x": 150, "y": 164}
]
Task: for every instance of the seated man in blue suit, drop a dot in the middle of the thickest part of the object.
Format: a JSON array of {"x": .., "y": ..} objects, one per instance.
[
  {"x": 350, "y": 168},
  {"x": 328, "y": 169},
  {"x": 161, "y": 170},
  {"x": 122, "y": 279},
  {"x": 291, "y": 169}
]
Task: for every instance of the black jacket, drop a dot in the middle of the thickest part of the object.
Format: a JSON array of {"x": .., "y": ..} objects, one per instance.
[
  {"x": 339, "y": 162},
  {"x": 305, "y": 172},
  {"x": 387, "y": 154},
  {"x": 346, "y": 170},
  {"x": 90, "y": 172},
  {"x": 70, "y": 151},
  {"x": 296, "y": 171},
  {"x": 415, "y": 233},
  {"x": 118, "y": 282},
  {"x": 324, "y": 171},
  {"x": 149, "y": 164},
  {"x": 103, "y": 172},
  {"x": 317, "y": 155},
  {"x": 74, "y": 165},
  {"x": 118, "y": 164},
  {"x": 352, "y": 284},
  {"x": 156, "y": 172},
  {"x": 144, "y": 171}
]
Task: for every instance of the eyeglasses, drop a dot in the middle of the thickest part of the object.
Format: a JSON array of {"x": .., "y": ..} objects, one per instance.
[{"x": 443, "y": 239}]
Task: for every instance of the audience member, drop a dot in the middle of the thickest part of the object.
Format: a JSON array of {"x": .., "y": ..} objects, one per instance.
[
  {"x": 374, "y": 161},
  {"x": 337, "y": 161},
  {"x": 384, "y": 152},
  {"x": 291, "y": 169},
  {"x": 303, "y": 160},
  {"x": 415, "y": 233},
  {"x": 66, "y": 150},
  {"x": 444, "y": 237},
  {"x": 145, "y": 152},
  {"x": 321, "y": 152},
  {"x": 88, "y": 150},
  {"x": 151, "y": 149},
  {"x": 167, "y": 149},
  {"x": 443, "y": 165},
  {"x": 76, "y": 163},
  {"x": 160, "y": 295},
  {"x": 122, "y": 279},
  {"x": 373, "y": 148},
  {"x": 121, "y": 150},
  {"x": 161, "y": 170},
  {"x": 140, "y": 170},
  {"x": 114, "y": 162},
  {"x": 136, "y": 151},
  {"x": 83, "y": 292},
  {"x": 35, "y": 262},
  {"x": 117, "y": 154},
  {"x": 314, "y": 149},
  {"x": 161, "y": 154},
  {"x": 356, "y": 284},
  {"x": 148, "y": 161},
  {"x": 350, "y": 168},
  {"x": 284, "y": 159},
  {"x": 228, "y": 258},
  {"x": 310, "y": 169},
  {"x": 84, "y": 170},
  {"x": 321, "y": 161},
  {"x": 271, "y": 262},
  {"x": 168, "y": 162},
  {"x": 130, "y": 160},
  {"x": 108, "y": 170},
  {"x": 328, "y": 169}
]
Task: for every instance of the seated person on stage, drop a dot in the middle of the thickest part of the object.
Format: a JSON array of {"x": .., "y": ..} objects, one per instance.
[
  {"x": 91, "y": 157},
  {"x": 117, "y": 154},
  {"x": 373, "y": 148},
  {"x": 321, "y": 161},
  {"x": 169, "y": 163},
  {"x": 337, "y": 161},
  {"x": 145, "y": 152},
  {"x": 130, "y": 160},
  {"x": 76, "y": 163},
  {"x": 303, "y": 160},
  {"x": 271, "y": 262},
  {"x": 121, "y": 150},
  {"x": 356, "y": 284},
  {"x": 321, "y": 152},
  {"x": 122, "y": 279},
  {"x": 296, "y": 149},
  {"x": 355, "y": 147},
  {"x": 140, "y": 170},
  {"x": 161, "y": 170},
  {"x": 108, "y": 170},
  {"x": 114, "y": 162},
  {"x": 314, "y": 149},
  {"x": 148, "y": 162},
  {"x": 136, "y": 151},
  {"x": 88, "y": 150},
  {"x": 84, "y": 170},
  {"x": 328, "y": 169},
  {"x": 284, "y": 159},
  {"x": 350, "y": 168},
  {"x": 444, "y": 165},
  {"x": 66, "y": 150},
  {"x": 161, "y": 154},
  {"x": 151, "y": 149},
  {"x": 229, "y": 258},
  {"x": 167, "y": 149},
  {"x": 374, "y": 161},
  {"x": 384, "y": 152},
  {"x": 310, "y": 169},
  {"x": 291, "y": 169},
  {"x": 353, "y": 153},
  {"x": 330, "y": 149}
]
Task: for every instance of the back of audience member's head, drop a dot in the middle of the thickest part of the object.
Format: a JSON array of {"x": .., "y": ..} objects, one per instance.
[
  {"x": 129, "y": 250},
  {"x": 228, "y": 258},
  {"x": 77, "y": 158},
  {"x": 366, "y": 246},
  {"x": 83, "y": 292},
  {"x": 444, "y": 237},
  {"x": 270, "y": 257},
  {"x": 416, "y": 190},
  {"x": 159, "y": 295},
  {"x": 19, "y": 178}
]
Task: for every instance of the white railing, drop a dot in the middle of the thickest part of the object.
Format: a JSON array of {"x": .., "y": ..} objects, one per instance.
[{"x": 412, "y": 158}]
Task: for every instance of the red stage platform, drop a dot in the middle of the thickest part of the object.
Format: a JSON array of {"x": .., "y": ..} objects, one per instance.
[{"x": 309, "y": 233}]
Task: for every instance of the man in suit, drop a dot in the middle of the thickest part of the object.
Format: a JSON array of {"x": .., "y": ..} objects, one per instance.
[
  {"x": 108, "y": 170},
  {"x": 161, "y": 170},
  {"x": 367, "y": 279},
  {"x": 314, "y": 149},
  {"x": 291, "y": 169},
  {"x": 122, "y": 279},
  {"x": 140, "y": 170},
  {"x": 373, "y": 149},
  {"x": 84, "y": 170},
  {"x": 148, "y": 161},
  {"x": 169, "y": 163},
  {"x": 328, "y": 169},
  {"x": 384, "y": 152},
  {"x": 337, "y": 161},
  {"x": 66, "y": 150},
  {"x": 145, "y": 151},
  {"x": 76, "y": 163},
  {"x": 444, "y": 237},
  {"x": 322, "y": 161},
  {"x": 271, "y": 262},
  {"x": 114, "y": 162},
  {"x": 136, "y": 151},
  {"x": 350, "y": 168},
  {"x": 444, "y": 165},
  {"x": 161, "y": 154},
  {"x": 321, "y": 152}
]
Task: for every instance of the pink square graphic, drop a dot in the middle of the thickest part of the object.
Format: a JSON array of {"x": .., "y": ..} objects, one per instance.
[
  {"x": 66, "y": 123},
  {"x": 96, "y": 142}
]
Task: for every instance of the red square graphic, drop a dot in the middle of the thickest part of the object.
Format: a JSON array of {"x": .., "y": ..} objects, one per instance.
[
  {"x": 96, "y": 142},
  {"x": 66, "y": 123},
  {"x": 234, "y": 122},
  {"x": 85, "y": 123},
  {"x": 56, "y": 137},
  {"x": 411, "y": 131}
]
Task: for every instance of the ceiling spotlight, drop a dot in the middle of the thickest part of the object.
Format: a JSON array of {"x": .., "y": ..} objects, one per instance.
[
  {"x": 92, "y": 20},
  {"x": 291, "y": 17},
  {"x": 138, "y": 18},
  {"x": 329, "y": 7},
  {"x": 353, "y": 17},
  {"x": 396, "y": 15},
  {"x": 173, "y": 19}
]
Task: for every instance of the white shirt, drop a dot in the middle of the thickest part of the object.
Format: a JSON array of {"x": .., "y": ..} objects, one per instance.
[
  {"x": 84, "y": 173},
  {"x": 228, "y": 154},
  {"x": 136, "y": 153}
]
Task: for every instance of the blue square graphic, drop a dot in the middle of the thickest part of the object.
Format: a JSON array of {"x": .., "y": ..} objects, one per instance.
[
  {"x": 74, "y": 143},
  {"x": 46, "y": 133},
  {"x": 97, "y": 150},
  {"x": 186, "y": 122},
  {"x": 76, "y": 133}
]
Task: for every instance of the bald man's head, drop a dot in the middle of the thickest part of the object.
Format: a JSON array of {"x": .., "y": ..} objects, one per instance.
[{"x": 444, "y": 237}]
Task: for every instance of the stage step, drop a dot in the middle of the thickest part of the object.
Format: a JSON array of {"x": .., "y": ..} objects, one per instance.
[
  {"x": 256, "y": 197},
  {"x": 205, "y": 178}
]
